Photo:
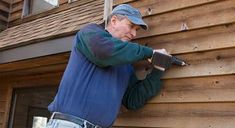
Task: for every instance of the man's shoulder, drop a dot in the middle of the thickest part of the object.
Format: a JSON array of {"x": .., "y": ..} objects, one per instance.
[
  {"x": 93, "y": 29},
  {"x": 92, "y": 26}
]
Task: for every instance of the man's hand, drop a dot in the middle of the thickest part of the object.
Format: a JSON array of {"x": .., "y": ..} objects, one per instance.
[
  {"x": 160, "y": 61},
  {"x": 163, "y": 51}
]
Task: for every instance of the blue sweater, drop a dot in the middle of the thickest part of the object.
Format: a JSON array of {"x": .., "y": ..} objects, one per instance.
[{"x": 99, "y": 77}]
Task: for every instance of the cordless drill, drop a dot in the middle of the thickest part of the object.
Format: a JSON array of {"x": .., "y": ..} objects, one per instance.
[{"x": 162, "y": 61}]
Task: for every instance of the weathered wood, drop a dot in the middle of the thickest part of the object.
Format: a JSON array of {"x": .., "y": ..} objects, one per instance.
[
  {"x": 34, "y": 71},
  {"x": 3, "y": 18},
  {"x": 7, "y": 1},
  {"x": 194, "y": 18},
  {"x": 116, "y": 2},
  {"x": 39, "y": 80},
  {"x": 176, "y": 122},
  {"x": 4, "y": 7},
  {"x": 201, "y": 89},
  {"x": 192, "y": 115},
  {"x": 220, "y": 62},
  {"x": 34, "y": 63},
  {"x": 16, "y": 1},
  {"x": 15, "y": 15},
  {"x": 208, "y": 63},
  {"x": 2, "y": 106},
  {"x": 17, "y": 7},
  {"x": 153, "y": 7},
  {"x": 218, "y": 37}
]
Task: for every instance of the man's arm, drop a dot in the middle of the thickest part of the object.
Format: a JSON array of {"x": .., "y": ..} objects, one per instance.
[
  {"x": 104, "y": 50},
  {"x": 140, "y": 91}
]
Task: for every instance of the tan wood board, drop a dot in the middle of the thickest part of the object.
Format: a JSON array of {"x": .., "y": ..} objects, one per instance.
[
  {"x": 208, "y": 63},
  {"x": 191, "y": 115},
  {"x": 34, "y": 63},
  {"x": 17, "y": 7},
  {"x": 153, "y": 7},
  {"x": 207, "y": 15},
  {"x": 218, "y": 37},
  {"x": 199, "y": 89}
]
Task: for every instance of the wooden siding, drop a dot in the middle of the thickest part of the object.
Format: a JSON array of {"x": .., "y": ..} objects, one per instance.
[
  {"x": 201, "y": 94},
  {"x": 4, "y": 13}
]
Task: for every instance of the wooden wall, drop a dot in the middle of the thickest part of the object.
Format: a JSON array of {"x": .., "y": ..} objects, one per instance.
[
  {"x": 4, "y": 13},
  {"x": 200, "y": 95}
]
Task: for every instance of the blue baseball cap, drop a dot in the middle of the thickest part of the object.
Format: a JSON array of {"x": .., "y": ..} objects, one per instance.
[{"x": 131, "y": 13}]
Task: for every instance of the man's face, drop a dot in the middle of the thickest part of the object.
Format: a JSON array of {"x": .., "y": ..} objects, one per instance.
[{"x": 123, "y": 28}]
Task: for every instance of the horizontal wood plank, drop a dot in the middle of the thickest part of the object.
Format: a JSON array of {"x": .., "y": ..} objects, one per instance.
[
  {"x": 34, "y": 71},
  {"x": 2, "y": 106},
  {"x": 175, "y": 122},
  {"x": 16, "y": 1},
  {"x": 1, "y": 118},
  {"x": 116, "y": 2},
  {"x": 208, "y": 63},
  {"x": 218, "y": 37},
  {"x": 3, "y": 19},
  {"x": 153, "y": 7},
  {"x": 15, "y": 15},
  {"x": 34, "y": 63},
  {"x": 219, "y": 62},
  {"x": 4, "y": 7},
  {"x": 38, "y": 80},
  {"x": 190, "y": 18},
  {"x": 17, "y": 7},
  {"x": 201, "y": 89},
  {"x": 7, "y": 1},
  {"x": 190, "y": 115}
]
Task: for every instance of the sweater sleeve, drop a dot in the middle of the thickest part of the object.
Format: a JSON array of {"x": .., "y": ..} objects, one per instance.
[
  {"x": 140, "y": 91},
  {"x": 104, "y": 50}
]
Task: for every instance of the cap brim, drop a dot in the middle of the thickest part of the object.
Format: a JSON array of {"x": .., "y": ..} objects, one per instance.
[{"x": 138, "y": 21}]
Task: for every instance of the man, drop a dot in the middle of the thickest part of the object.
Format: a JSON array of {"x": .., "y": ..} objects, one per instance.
[{"x": 99, "y": 76}]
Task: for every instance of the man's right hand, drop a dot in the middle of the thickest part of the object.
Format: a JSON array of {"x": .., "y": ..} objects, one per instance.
[
  {"x": 163, "y": 51},
  {"x": 162, "y": 61}
]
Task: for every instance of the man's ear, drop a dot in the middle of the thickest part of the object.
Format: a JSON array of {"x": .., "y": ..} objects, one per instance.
[{"x": 113, "y": 20}]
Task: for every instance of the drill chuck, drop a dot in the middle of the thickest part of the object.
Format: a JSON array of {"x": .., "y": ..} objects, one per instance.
[{"x": 177, "y": 61}]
